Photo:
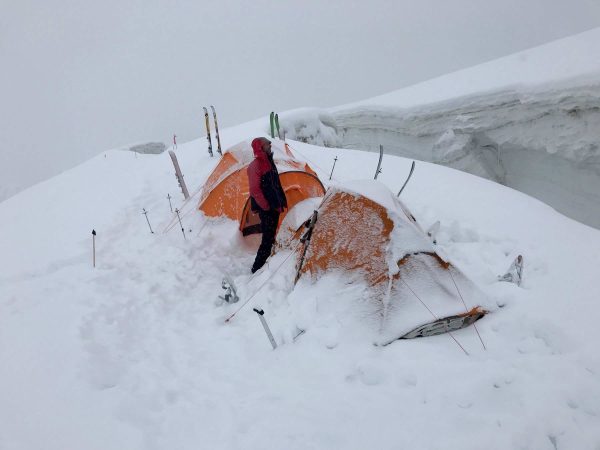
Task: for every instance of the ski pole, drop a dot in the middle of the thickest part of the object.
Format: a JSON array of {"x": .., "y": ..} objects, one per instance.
[
  {"x": 180, "y": 224},
  {"x": 261, "y": 315},
  {"x": 169, "y": 198},
  {"x": 94, "y": 248},
  {"x": 147, "y": 220},
  {"x": 378, "y": 171},
  {"x": 412, "y": 168},
  {"x": 333, "y": 168}
]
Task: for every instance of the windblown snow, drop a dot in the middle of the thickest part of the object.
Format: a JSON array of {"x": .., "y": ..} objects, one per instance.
[
  {"x": 530, "y": 121},
  {"x": 135, "y": 353}
]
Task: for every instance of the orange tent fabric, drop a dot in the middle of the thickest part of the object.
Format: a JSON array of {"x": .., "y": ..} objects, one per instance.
[
  {"x": 226, "y": 191},
  {"x": 366, "y": 233}
]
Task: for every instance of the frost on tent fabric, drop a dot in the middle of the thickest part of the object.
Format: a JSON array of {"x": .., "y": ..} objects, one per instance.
[{"x": 364, "y": 231}]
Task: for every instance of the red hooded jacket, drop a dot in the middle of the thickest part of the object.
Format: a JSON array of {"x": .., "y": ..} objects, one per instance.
[{"x": 266, "y": 192}]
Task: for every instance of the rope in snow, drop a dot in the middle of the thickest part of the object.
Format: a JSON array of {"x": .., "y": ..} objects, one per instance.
[
  {"x": 466, "y": 308},
  {"x": 434, "y": 316},
  {"x": 293, "y": 252}
]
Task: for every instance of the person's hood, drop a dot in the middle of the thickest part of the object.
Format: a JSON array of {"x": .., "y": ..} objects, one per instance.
[{"x": 258, "y": 151}]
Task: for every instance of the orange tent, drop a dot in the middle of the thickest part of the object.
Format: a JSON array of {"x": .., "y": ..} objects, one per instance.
[
  {"x": 226, "y": 191},
  {"x": 367, "y": 233}
]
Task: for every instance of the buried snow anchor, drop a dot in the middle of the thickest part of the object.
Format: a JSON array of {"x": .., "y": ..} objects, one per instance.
[
  {"x": 514, "y": 273},
  {"x": 230, "y": 291},
  {"x": 261, "y": 316}
]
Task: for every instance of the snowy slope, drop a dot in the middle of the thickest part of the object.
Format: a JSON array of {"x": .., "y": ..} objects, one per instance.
[
  {"x": 530, "y": 121},
  {"x": 135, "y": 353}
]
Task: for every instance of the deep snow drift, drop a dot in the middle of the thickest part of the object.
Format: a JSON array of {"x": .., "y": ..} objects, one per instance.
[
  {"x": 135, "y": 353},
  {"x": 530, "y": 121}
]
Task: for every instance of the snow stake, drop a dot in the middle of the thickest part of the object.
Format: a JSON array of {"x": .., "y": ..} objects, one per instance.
[
  {"x": 169, "y": 198},
  {"x": 94, "y": 248},
  {"x": 207, "y": 123},
  {"x": 412, "y": 169},
  {"x": 378, "y": 171},
  {"x": 180, "y": 224},
  {"x": 147, "y": 220},
  {"x": 333, "y": 168},
  {"x": 216, "y": 130},
  {"x": 514, "y": 273},
  {"x": 261, "y": 316},
  {"x": 179, "y": 175},
  {"x": 174, "y": 142}
]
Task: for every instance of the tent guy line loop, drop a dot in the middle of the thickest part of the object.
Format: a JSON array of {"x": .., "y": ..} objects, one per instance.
[
  {"x": 466, "y": 308},
  {"x": 434, "y": 316}
]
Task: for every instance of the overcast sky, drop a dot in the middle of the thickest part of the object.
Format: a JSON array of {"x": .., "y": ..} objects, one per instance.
[{"x": 80, "y": 77}]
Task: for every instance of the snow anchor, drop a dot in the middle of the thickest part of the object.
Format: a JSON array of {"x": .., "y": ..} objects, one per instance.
[
  {"x": 514, "y": 273},
  {"x": 261, "y": 316},
  {"x": 230, "y": 291}
]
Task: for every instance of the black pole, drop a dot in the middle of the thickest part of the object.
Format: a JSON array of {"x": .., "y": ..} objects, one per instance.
[
  {"x": 333, "y": 168},
  {"x": 412, "y": 169},
  {"x": 180, "y": 224},
  {"x": 94, "y": 248},
  {"x": 378, "y": 171},
  {"x": 147, "y": 220},
  {"x": 169, "y": 198}
]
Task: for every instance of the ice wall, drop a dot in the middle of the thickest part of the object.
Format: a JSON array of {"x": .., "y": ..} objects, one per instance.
[{"x": 544, "y": 142}]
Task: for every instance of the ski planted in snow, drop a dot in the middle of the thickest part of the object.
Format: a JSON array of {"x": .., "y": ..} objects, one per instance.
[
  {"x": 272, "y": 123},
  {"x": 277, "y": 125},
  {"x": 207, "y": 122},
  {"x": 179, "y": 175},
  {"x": 216, "y": 130},
  {"x": 443, "y": 325}
]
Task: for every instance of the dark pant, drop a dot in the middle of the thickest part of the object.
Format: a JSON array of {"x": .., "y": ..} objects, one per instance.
[{"x": 268, "y": 226}]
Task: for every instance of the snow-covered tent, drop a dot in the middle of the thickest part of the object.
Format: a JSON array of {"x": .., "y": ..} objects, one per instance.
[
  {"x": 226, "y": 191},
  {"x": 366, "y": 232}
]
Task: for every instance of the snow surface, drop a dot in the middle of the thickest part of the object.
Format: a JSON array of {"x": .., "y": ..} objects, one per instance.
[
  {"x": 135, "y": 353},
  {"x": 530, "y": 121}
]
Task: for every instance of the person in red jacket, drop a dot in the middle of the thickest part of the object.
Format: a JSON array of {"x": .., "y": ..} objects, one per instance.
[{"x": 266, "y": 197}]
